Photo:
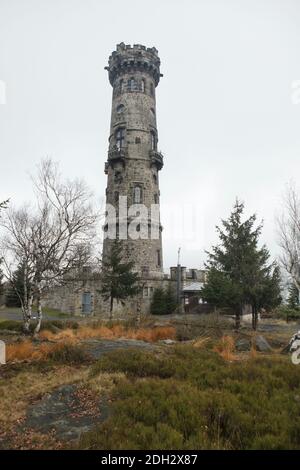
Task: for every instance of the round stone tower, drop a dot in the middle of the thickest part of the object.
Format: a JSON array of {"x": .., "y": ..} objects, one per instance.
[{"x": 134, "y": 161}]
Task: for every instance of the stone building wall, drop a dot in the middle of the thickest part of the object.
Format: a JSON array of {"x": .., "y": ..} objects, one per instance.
[{"x": 68, "y": 298}]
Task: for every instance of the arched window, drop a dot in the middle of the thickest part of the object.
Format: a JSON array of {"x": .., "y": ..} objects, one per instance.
[
  {"x": 143, "y": 85},
  {"x": 120, "y": 137},
  {"x": 120, "y": 108},
  {"x": 156, "y": 198},
  {"x": 154, "y": 178},
  {"x": 131, "y": 84},
  {"x": 137, "y": 195},
  {"x": 153, "y": 140}
]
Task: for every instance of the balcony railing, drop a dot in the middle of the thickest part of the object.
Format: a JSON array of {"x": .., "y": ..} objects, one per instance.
[
  {"x": 157, "y": 159},
  {"x": 117, "y": 153}
]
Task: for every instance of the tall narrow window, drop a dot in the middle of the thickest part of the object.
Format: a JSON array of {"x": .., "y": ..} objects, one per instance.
[
  {"x": 131, "y": 84},
  {"x": 156, "y": 198},
  {"x": 137, "y": 195},
  {"x": 121, "y": 82},
  {"x": 153, "y": 140},
  {"x": 158, "y": 258},
  {"x": 151, "y": 89},
  {"x": 120, "y": 137},
  {"x": 143, "y": 86}
]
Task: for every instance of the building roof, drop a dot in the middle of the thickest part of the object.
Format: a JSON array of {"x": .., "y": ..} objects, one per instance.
[{"x": 193, "y": 287}]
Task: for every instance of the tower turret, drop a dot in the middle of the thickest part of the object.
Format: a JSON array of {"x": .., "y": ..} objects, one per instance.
[{"x": 134, "y": 161}]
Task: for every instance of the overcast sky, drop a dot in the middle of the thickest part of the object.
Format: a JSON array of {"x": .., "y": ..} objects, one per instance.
[{"x": 228, "y": 123}]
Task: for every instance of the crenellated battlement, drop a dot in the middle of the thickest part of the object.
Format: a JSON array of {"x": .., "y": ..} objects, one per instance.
[
  {"x": 136, "y": 47},
  {"x": 127, "y": 59}
]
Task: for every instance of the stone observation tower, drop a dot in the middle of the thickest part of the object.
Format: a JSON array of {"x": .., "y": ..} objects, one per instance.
[{"x": 134, "y": 162}]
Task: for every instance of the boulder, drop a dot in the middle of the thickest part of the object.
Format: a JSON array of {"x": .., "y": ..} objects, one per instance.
[
  {"x": 243, "y": 345},
  {"x": 168, "y": 341},
  {"x": 2, "y": 353},
  {"x": 262, "y": 344}
]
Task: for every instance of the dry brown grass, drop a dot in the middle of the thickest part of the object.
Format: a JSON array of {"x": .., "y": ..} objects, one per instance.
[
  {"x": 201, "y": 343},
  {"x": 225, "y": 347},
  {"x": 27, "y": 351},
  {"x": 116, "y": 331},
  {"x": 253, "y": 352}
]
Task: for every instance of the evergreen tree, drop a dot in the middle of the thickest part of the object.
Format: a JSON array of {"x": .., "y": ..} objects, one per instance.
[
  {"x": 158, "y": 303},
  {"x": 118, "y": 282},
  {"x": 238, "y": 270},
  {"x": 170, "y": 300},
  {"x": 293, "y": 298},
  {"x": 220, "y": 290},
  {"x": 16, "y": 290}
]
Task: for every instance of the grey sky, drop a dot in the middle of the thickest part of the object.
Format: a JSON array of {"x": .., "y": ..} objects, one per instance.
[{"x": 226, "y": 121}]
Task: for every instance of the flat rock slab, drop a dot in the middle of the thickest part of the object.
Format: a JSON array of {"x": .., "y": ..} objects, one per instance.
[
  {"x": 262, "y": 344},
  {"x": 96, "y": 348},
  {"x": 243, "y": 345},
  {"x": 63, "y": 411}
]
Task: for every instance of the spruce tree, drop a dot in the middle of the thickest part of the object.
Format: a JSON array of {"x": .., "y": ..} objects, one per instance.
[
  {"x": 239, "y": 272},
  {"x": 170, "y": 300},
  {"x": 16, "y": 290},
  {"x": 293, "y": 298},
  {"x": 158, "y": 303},
  {"x": 118, "y": 281}
]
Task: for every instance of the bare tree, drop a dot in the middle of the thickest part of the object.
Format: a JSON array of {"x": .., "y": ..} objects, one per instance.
[
  {"x": 3, "y": 204},
  {"x": 55, "y": 237},
  {"x": 289, "y": 235}
]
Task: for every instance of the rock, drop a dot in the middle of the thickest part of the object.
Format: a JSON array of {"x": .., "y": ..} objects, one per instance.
[
  {"x": 168, "y": 341},
  {"x": 243, "y": 345},
  {"x": 262, "y": 344},
  {"x": 161, "y": 324},
  {"x": 63, "y": 412},
  {"x": 2, "y": 353},
  {"x": 96, "y": 348}
]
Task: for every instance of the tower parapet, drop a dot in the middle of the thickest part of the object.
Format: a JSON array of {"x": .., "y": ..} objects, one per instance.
[{"x": 129, "y": 58}]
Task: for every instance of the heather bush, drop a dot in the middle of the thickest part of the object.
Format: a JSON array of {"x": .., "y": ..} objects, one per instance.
[{"x": 189, "y": 398}]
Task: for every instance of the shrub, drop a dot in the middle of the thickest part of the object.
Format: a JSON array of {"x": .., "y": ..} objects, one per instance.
[
  {"x": 158, "y": 303},
  {"x": 287, "y": 313},
  {"x": 193, "y": 399},
  {"x": 11, "y": 325},
  {"x": 68, "y": 353},
  {"x": 54, "y": 325},
  {"x": 134, "y": 363}
]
